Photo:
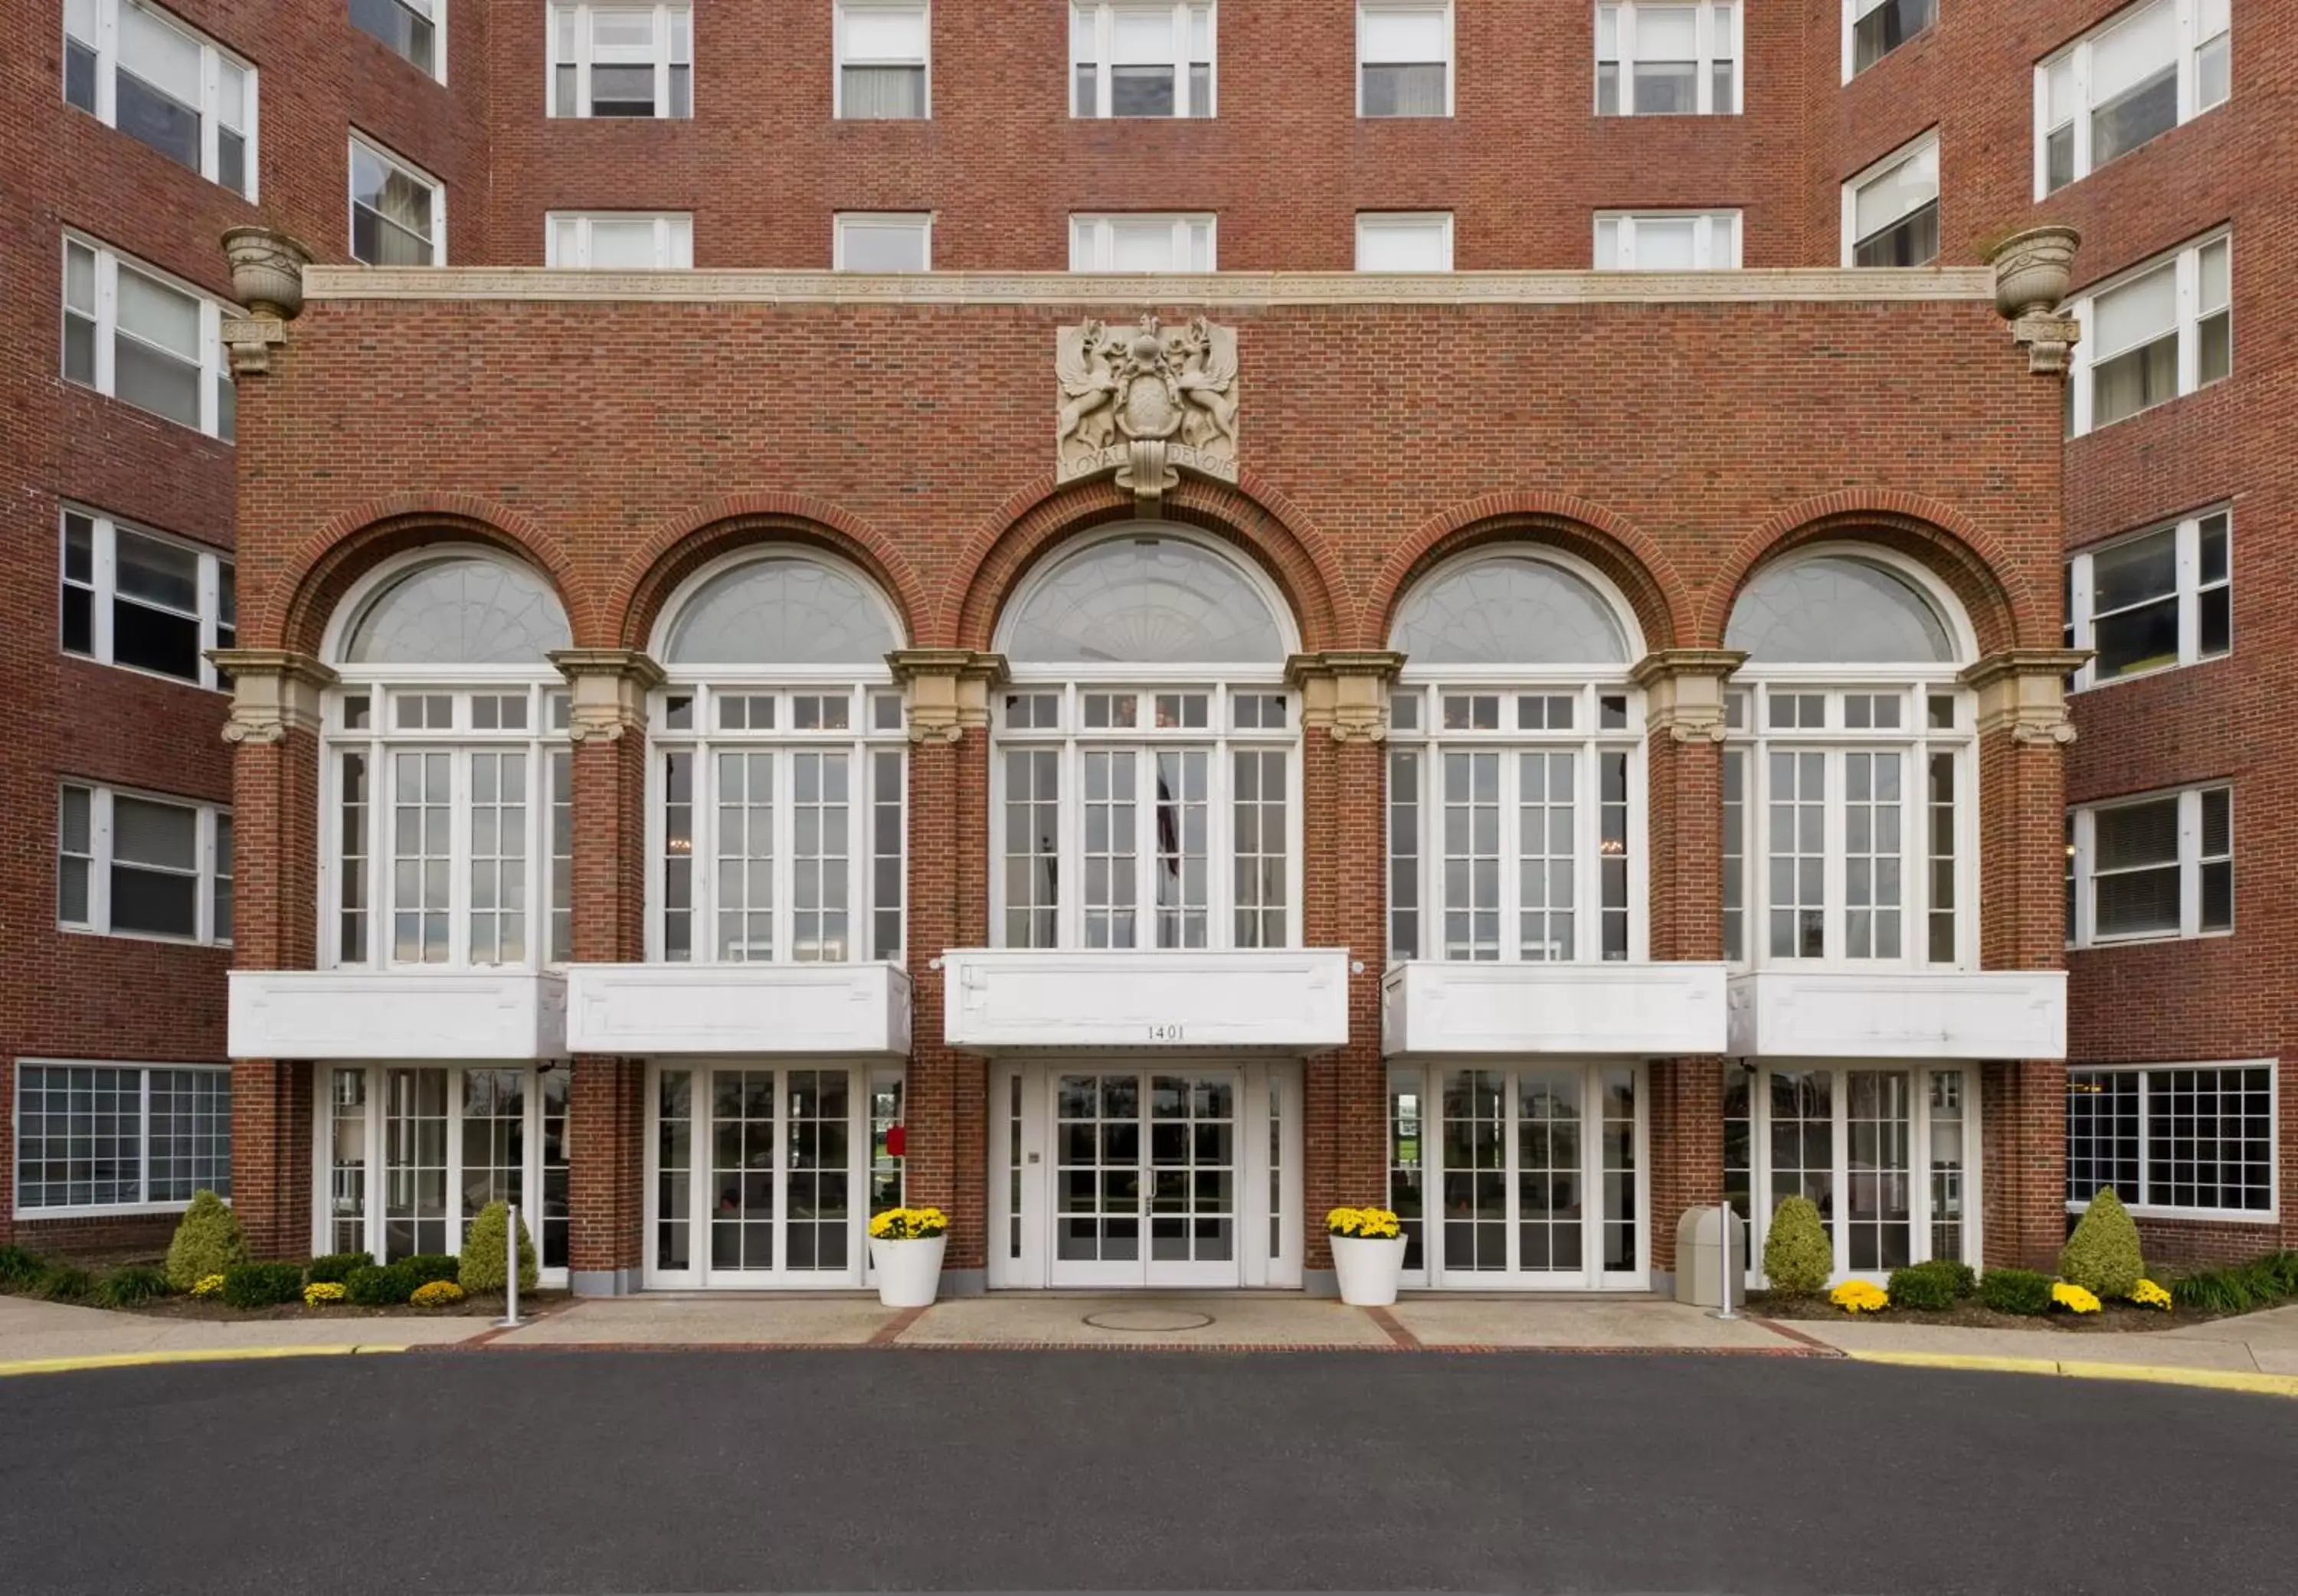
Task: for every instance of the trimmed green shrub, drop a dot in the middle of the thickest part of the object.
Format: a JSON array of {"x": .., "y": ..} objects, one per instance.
[
  {"x": 1930, "y": 1285},
  {"x": 19, "y": 1268},
  {"x": 2015, "y": 1291},
  {"x": 63, "y": 1283},
  {"x": 334, "y": 1268},
  {"x": 1964, "y": 1277},
  {"x": 428, "y": 1267},
  {"x": 208, "y": 1242},
  {"x": 262, "y": 1285},
  {"x": 1797, "y": 1256},
  {"x": 386, "y": 1285},
  {"x": 485, "y": 1267},
  {"x": 2102, "y": 1256},
  {"x": 132, "y": 1283}
]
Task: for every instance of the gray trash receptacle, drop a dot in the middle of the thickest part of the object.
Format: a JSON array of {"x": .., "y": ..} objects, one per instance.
[{"x": 1699, "y": 1238}]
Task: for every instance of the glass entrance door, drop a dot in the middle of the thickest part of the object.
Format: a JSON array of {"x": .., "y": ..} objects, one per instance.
[{"x": 1146, "y": 1176}]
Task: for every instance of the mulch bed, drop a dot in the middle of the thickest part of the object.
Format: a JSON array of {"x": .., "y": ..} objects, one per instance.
[
  {"x": 2111, "y": 1318},
  {"x": 531, "y": 1304}
]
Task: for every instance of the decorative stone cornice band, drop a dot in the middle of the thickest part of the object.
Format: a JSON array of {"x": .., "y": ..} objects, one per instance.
[
  {"x": 948, "y": 688},
  {"x": 610, "y": 688},
  {"x": 1344, "y": 692},
  {"x": 1683, "y": 690},
  {"x": 273, "y": 692},
  {"x": 2024, "y": 691},
  {"x": 1088, "y": 290}
]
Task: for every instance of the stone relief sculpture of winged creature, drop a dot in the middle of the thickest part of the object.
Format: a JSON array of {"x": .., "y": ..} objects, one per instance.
[
  {"x": 1206, "y": 357},
  {"x": 1083, "y": 361}
]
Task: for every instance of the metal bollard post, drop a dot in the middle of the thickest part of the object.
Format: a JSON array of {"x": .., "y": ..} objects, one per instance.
[
  {"x": 1727, "y": 1216},
  {"x": 509, "y": 1320}
]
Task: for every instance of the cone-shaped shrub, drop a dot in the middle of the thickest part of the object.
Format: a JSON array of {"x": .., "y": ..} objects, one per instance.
[
  {"x": 1797, "y": 1257},
  {"x": 483, "y": 1267},
  {"x": 209, "y": 1242},
  {"x": 2102, "y": 1256}
]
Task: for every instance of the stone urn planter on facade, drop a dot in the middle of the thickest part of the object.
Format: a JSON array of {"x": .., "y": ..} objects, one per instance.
[
  {"x": 1368, "y": 1255},
  {"x": 2033, "y": 270},
  {"x": 266, "y": 270},
  {"x": 905, "y": 1249}
]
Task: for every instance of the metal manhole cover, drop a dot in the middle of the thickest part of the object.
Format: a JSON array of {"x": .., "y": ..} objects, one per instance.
[{"x": 1148, "y": 1320}]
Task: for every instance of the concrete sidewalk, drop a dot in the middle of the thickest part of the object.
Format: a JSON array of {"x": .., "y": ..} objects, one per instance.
[
  {"x": 34, "y": 1332},
  {"x": 2263, "y": 1343}
]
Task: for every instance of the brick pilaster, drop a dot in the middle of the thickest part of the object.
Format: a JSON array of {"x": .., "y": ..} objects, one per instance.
[{"x": 2023, "y": 1110}]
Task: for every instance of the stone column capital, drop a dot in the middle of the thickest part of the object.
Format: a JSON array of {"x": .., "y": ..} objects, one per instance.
[
  {"x": 1683, "y": 690},
  {"x": 610, "y": 687},
  {"x": 948, "y": 688},
  {"x": 2024, "y": 691},
  {"x": 273, "y": 692},
  {"x": 1344, "y": 692}
]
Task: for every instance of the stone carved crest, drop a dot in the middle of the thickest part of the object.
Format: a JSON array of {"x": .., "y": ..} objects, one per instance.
[{"x": 1145, "y": 402}]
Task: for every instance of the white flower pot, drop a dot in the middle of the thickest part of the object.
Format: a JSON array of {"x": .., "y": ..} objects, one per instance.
[
  {"x": 1368, "y": 1268},
  {"x": 909, "y": 1272}
]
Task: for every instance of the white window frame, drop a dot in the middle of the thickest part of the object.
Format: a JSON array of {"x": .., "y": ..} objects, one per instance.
[
  {"x": 1854, "y": 11},
  {"x": 674, "y": 238},
  {"x": 1711, "y": 49},
  {"x": 2187, "y": 261},
  {"x": 215, "y": 367},
  {"x": 1102, "y": 16},
  {"x": 1859, "y": 179},
  {"x": 2077, "y": 58},
  {"x": 839, "y": 10},
  {"x": 1451, "y": 50},
  {"x": 665, "y": 53},
  {"x": 213, "y": 58},
  {"x": 918, "y": 221},
  {"x": 210, "y": 819},
  {"x": 2082, "y": 856},
  {"x": 2136, "y": 1200},
  {"x": 1405, "y": 221},
  {"x": 101, "y": 590},
  {"x": 1092, "y": 238},
  {"x": 436, "y": 16},
  {"x": 379, "y": 152},
  {"x": 2187, "y": 534},
  {"x": 1715, "y": 237},
  {"x": 75, "y": 1210}
]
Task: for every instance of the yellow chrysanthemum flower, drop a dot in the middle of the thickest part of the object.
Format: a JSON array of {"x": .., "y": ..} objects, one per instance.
[
  {"x": 322, "y": 1291},
  {"x": 1860, "y": 1296},
  {"x": 2147, "y": 1295},
  {"x": 2074, "y": 1299}
]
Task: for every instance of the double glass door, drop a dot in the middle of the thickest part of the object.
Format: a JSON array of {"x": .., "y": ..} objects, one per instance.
[{"x": 1147, "y": 1176}]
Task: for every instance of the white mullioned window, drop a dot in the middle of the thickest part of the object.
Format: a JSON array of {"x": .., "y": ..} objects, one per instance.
[
  {"x": 619, "y": 240},
  {"x": 1667, "y": 240},
  {"x": 1655, "y": 59},
  {"x": 399, "y": 211},
  {"x": 2135, "y": 77},
  {"x": 2154, "y": 601},
  {"x": 140, "y": 864},
  {"x": 416, "y": 29},
  {"x": 97, "y": 1138},
  {"x": 143, "y": 599},
  {"x": 2152, "y": 335},
  {"x": 884, "y": 56},
  {"x": 1404, "y": 58},
  {"x": 1516, "y": 773},
  {"x": 622, "y": 61},
  {"x": 1891, "y": 210},
  {"x": 2145, "y": 869},
  {"x": 447, "y": 776},
  {"x": 138, "y": 69},
  {"x": 1141, "y": 59},
  {"x": 1404, "y": 241},
  {"x": 1873, "y": 28},
  {"x": 1850, "y": 799},
  {"x": 137, "y": 334},
  {"x": 2182, "y": 1140},
  {"x": 1140, "y": 242},
  {"x": 1146, "y": 784},
  {"x": 882, "y": 241},
  {"x": 777, "y": 819}
]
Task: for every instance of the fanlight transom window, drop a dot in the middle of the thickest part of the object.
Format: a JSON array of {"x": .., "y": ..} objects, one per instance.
[
  {"x": 778, "y": 612},
  {"x": 1509, "y": 612},
  {"x": 1835, "y": 609},
  {"x": 460, "y": 611},
  {"x": 1147, "y": 600}
]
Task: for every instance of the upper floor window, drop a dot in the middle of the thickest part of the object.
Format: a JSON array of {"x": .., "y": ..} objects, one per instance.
[
  {"x": 1667, "y": 241},
  {"x": 778, "y": 822},
  {"x": 1145, "y": 782},
  {"x": 1667, "y": 59},
  {"x": 148, "y": 602},
  {"x": 415, "y": 28},
  {"x": 398, "y": 214},
  {"x": 1873, "y": 28},
  {"x": 620, "y": 239},
  {"x": 622, "y": 61},
  {"x": 882, "y": 241},
  {"x": 144, "y": 72},
  {"x": 136, "y": 864},
  {"x": 1515, "y": 768},
  {"x": 2152, "y": 335},
  {"x": 137, "y": 335},
  {"x": 1849, "y": 781},
  {"x": 1404, "y": 241},
  {"x": 2137, "y": 74},
  {"x": 882, "y": 54},
  {"x": 1132, "y": 60},
  {"x": 2147, "y": 603},
  {"x": 1404, "y": 59},
  {"x": 2151, "y": 867},
  {"x": 1891, "y": 210},
  {"x": 447, "y": 785},
  {"x": 1163, "y": 243}
]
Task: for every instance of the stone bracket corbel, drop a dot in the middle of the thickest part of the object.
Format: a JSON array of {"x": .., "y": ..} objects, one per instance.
[
  {"x": 1683, "y": 690},
  {"x": 609, "y": 690},
  {"x": 2032, "y": 271},
  {"x": 1344, "y": 692},
  {"x": 248, "y": 341},
  {"x": 948, "y": 690},
  {"x": 273, "y": 692},
  {"x": 2024, "y": 691}
]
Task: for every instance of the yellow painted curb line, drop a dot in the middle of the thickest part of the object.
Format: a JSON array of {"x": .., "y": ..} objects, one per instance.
[
  {"x": 233, "y": 1355},
  {"x": 2210, "y": 1379}
]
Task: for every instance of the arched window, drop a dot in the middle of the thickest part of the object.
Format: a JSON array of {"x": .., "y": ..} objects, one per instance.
[
  {"x": 1146, "y": 788},
  {"x": 779, "y": 747},
  {"x": 1836, "y": 609}
]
